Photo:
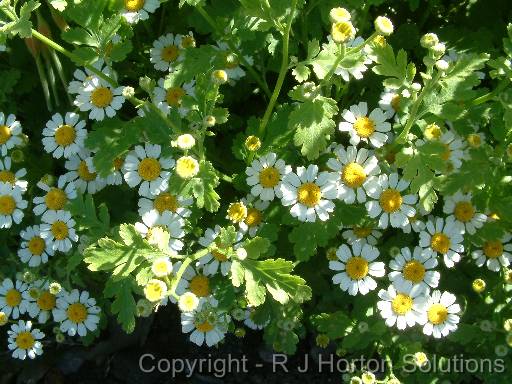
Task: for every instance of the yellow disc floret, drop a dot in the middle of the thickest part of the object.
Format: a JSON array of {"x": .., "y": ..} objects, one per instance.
[
  {"x": 390, "y": 200},
  {"x": 149, "y": 169},
  {"x": 84, "y": 173},
  {"x": 59, "y": 230},
  {"x": 13, "y": 297},
  {"x": 25, "y": 340},
  {"x": 493, "y": 249},
  {"x": 402, "y": 304},
  {"x": 364, "y": 127},
  {"x": 134, "y": 5},
  {"x": 5, "y": 134},
  {"x": 254, "y": 217},
  {"x": 7, "y": 177},
  {"x": 65, "y": 135},
  {"x": 357, "y": 267},
  {"x": 414, "y": 271},
  {"x": 46, "y": 301},
  {"x": 269, "y": 177},
  {"x": 166, "y": 202},
  {"x": 440, "y": 243},
  {"x": 55, "y": 199},
  {"x": 174, "y": 95},
  {"x": 237, "y": 212},
  {"x": 200, "y": 286},
  {"x": 309, "y": 194},
  {"x": 101, "y": 97},
  {"x": 36, "y": 246},
  {"x": 77, "y": 313},
  {"x": 7, "y": 205},
  {"x": 170, "y": 53},
  {"x": 437, "y": 314},
  {"x": 464, "y": 211},
  {"x": 353, "y": 175}
]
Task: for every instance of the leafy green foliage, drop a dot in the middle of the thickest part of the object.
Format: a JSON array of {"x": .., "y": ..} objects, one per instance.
[
  {"x": 84, "y": 210},
  {"x": 395, "y": 68},
  {"x": 14, "y": 24}
]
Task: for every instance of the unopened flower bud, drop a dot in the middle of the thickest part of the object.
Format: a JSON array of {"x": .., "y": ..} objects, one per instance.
[
  {"x": 383, "y": 26},
  {"x": 429, "y": 40},
  {"x": 252, "y": 143},
  {"x": 219, "y": 76},
  {"x": 339, "y": 14}
]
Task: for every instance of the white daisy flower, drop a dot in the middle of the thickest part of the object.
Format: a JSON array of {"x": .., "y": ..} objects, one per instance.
[
  {"x": 249, "y": 320},
  {"x": 443, "y": 238},
  {"x": 193, "y": 280},
  {"x": 254, "y": 218},
  {"x": 100, "y": 99},
  {"x": 309, "y": 193},
  {"x": 64, "y": 137},
  {"x": 211, "y": 262},
  {"x": 11, "y": 205},
  {"x": 230, "y": 62},
  {"x": 58, "y": 229},
  {"x": 265, "y": 176},
  {"x": 40, "y": 302},
  {"x": 359, "y": 67},
  {"x": 354, "y": 169},
  {"x": 460, "y": 207},
  {"x": 82, "y": 175},
  {"x": 77, "y": 313},
  {"x": 441, "y": 314},
  {"x": 24, "y": 341},
  {"x": 116, "y": 176},
  {"x": 390, "y": 102},
  {"x": 12, "y": 302},
  {"x": 358, "y": 267},
  {"x": 55, "y": 198},
  {"x": 414, "y": 269},
  {"x": 403, "y": 305},
  {"x": 145, "y": 166},
  {"x": 361, "y": 234},
  {"x": 166, "y": 52},
  {"x": 137, "y": 10},
  {"x": 390, "y": 204},
  {"x": 167, "y": 99},
  {"x": 12, "y": 177},
  {"x": 34, "y": 249},
  {"x": 495, "y": 253},
  {"x": 82, "y": 76},
  {"x": 154, "y": 206},
  {"x": 206, "y": 323},
  {"x": 363, "y": 127},
  {"x": 172, "y": 223},
  {"x": 415, "y": 223},
  {"x": 10, "y": 133}
]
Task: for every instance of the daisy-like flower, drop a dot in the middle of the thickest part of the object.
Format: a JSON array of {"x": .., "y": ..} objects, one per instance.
[
  {"x": 171, "y": 223},
  {"x": 116, "y": 176},
  {"x": 443, "y": 238},
  {"x": 10, "y": 133},
  {"x": 495, "y": 253},
  {"x": 265, "y": 176},
  {"x": 249, "y": 320},
  {"x": 309, "y": 193},
  {"x": 170, "y": 98},
  {"x": 64, "y": 136},
  {"x": 100, "y": 99},
  {"x": 361, "y": 234},
  {"x": 441, "y": 314},
  {"x": 211, "y": 262},
  {"x": 82, "y": 175},
  {"x": 363, "y": 127},
  {"x": 11, "y": 205},
  {"x": 154, "y": 206},
  {"x": 206, "y": 323},
  {"x": 358, "y": 68},
  {"x": 58, "y": 229},
  {"x": 403, "y": 305},
  {"x": 12, "y": 302},
  {"x": 236, "y": 212},
  {"x": 166, "y": 52},
  {"x": 145, "y": 166},
  {"x": 358, "y": 267},
  {"x": 416, "y": 268},
  {"x": 24, "y": 341},
  {"x": 460, "y": 207},
  {"x": 415, "y": 223},
  {"x": 9, "y": 176},
  {"x": 390, "y": 204},
  {"x": 34, "y": 249},
  {"x": 155, "y": 290},
  {"x": 40, "y": 301},
  {"x": 55, "y": 198},
  {"x": 453, "y": 144},
  {"x": 354, "y": 169},
  {"x": 193, "y": 280},
  {"x": 390, "y": 102},
  {"x": 230, "y": 62},
  {"x": 77, "y": 313},
  {"x": 137, "y": 10},
  {"x": 254, "y": 218},
  {"x": 82, "y": 76}
]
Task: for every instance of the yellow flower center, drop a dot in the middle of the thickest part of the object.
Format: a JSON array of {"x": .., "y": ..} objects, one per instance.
[
  {"x": 200, "y": 286},
  {"x": 401, "y": 304},
  {"x": 7, "y": 177},
  {"x": 13, "y": 297},
  {"x": 36, "y": 245},
  {"x": 353, "y": 175},
  {"x": 440, "y": 243},
  {"x": 432, "y": 132},
  {"x": 447, "y": 153},
  {"x": 357, "y": 267},
  {"x": 380, "y": 41},
  {"x": 331, "y": 254},
  {"x": 269, "y": 177},
  {"x": 65, "y": 135},
  {"x": 364, "y": 127},
  {"x": 187, "y": 167},
  {"x": 149, "y": 169},
  {"x": 237, "y": 212},
  {"x": 166, "y": 202},
  {"x": 309, "y": 194},
  {"x": 134, "y": 5},
  {"x": 395, "y": 102},
  {"x": 59, "y": 230},
  {"x": 342, "y": 31},
  {"x": 154, "y": 291},
  {"x": 25, "y": 340},
  {"x": 170, "y": 53},
  {"x": 7, "y": 205},
  {"x": 254, "y": 217},
  {"x": 188, "y": 42},
  {"x": 219, "y": 256},
  {"x": 414, "y": 271},
  {"x": 437, "y": 314},
  {"x": 46, "y": 301},
  {"x": 493, "y": 249},
  {"x": 390, "y": 200},
  {"x": 55, "y": 199},
  {"x": 77, "y": 313},
  {"x": 5, "y": 134},
  {"x": 118, "y": 163},
  {"x": 101, "y": 97},
  {"x": 174, "y": 95},
  {"x": 204, "y": 327},
  {"x": 464, "y": 211},
  {"x": 474, "y": 140},
  {"x": 361, "y": 232},
  {"x": 84, "y": 173}
]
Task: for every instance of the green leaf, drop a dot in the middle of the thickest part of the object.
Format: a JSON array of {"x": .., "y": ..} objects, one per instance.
[
  {"x": 334, "y": 325},
  {"x": 313, "y": 124},
  {"x": 301, "y": 72},
  {"x": 123, "y": 305},
  {"x": 395, "y": 68},
  {"x": 203, "y": 187},
  {"x": 256, "y": 247},
  {"x": 22, "y": 26},
  {"x": 84, "y": 210},
  {"x": 79, "y": 36}
]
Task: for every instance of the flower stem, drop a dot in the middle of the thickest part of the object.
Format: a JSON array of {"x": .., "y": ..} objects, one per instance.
[{"x": 184, "y": 266}]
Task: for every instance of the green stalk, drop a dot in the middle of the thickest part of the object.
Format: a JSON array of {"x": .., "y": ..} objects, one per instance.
[
  {"x": 44, "y": 83},
  {"x": 282, "y": 74},
  {"x": 184, "y": 266}
]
